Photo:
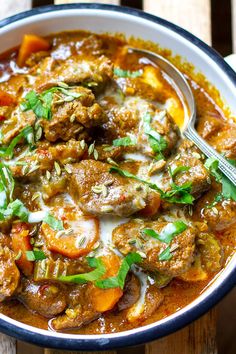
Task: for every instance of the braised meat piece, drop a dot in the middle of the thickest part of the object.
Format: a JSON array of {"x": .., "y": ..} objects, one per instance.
[
  {"x": 225, "y": 141},
  {"x": 131, "y": 293},
  {"x": 76, "y": 70},
  {"x": 99, "y": 192},
  {"x": 128, "y": 238},
  {"x": 47, "y": 299},
  {"x": 9, "y": 273},
  {"x": 71, "y": 117}
]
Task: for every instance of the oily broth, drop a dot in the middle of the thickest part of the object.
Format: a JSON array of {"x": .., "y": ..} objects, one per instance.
[{"x": 178, "y": 293}]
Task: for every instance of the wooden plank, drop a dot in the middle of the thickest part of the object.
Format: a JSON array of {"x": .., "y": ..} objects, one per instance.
[
  {"x": 198, "y": 338},
  {"x": 7, "y": 345},
  {"x": 55, "y": 351},
  {"x": 12, "y": 7},
  {"x": 234, "y": 24},
  {"x": 113, "y": 2},
  {"x": 194, "y": 15}
]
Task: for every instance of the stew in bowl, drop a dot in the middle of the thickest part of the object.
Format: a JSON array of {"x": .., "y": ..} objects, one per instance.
[{"x": 109, "y": 218}]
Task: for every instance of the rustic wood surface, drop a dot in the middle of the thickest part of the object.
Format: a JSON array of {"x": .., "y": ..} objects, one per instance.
[{"x": 200, "y": 336}]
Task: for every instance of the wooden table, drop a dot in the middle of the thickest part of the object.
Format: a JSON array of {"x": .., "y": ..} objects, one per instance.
[{"x": 200, "y": 336}]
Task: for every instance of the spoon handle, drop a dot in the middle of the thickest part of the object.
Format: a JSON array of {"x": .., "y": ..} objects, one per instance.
[{"x": 228, "y": 169}]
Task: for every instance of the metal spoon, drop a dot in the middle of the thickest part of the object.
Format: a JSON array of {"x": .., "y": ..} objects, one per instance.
[{"x": 188, "y": 101}]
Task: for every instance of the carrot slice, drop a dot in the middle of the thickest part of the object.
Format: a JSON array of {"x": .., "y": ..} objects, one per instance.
[
  {"x": 78, "y": 237},
  {"x": 31, "y": 44},
  {"x": 6, "y": 99},
  {"x": 105, "y": 299},
  {"x": 153, "y": 204},
  {"x": 20, "y": 245}
]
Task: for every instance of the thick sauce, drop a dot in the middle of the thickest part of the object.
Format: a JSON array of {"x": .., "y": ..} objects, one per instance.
[{"x": 114, "y": 91}]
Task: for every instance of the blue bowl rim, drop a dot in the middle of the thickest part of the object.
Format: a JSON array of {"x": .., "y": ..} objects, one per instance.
[{"x": 172, "y": 325}]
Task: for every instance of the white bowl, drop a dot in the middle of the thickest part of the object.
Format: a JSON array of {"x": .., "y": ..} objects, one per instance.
[{"x": 108, "y": 18}]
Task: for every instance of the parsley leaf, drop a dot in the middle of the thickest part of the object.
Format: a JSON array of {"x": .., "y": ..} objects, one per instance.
[
  {"x": 92, "y": 276},
  {"x": 228, "y": 188},
  {"x": 27, "y": 133},
  {"x": 165, "y": 255},
  {"x": 156, "y": 140},
  {"x": 177, "y": 170},
  {"x": 127, "y": 73},
  {"x": 178, "y": 194},
  {"x": 36, "y": 255},
  {"x": 41, "y": 103},
  {"x": 119, "y": 280},
  {"x": 126, "y": 141},
  {"x": 54, "y": 223},
  {"x": 168, "y": 232}
]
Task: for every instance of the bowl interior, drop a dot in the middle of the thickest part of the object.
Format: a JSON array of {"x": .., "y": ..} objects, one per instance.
[{"x": 132, "y": 23}]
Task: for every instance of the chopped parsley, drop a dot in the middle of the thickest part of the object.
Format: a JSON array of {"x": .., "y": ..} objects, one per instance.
[
  {"x": 156, "y": 140},
  {"x": 40, "y": 103},
  {"x": 165, "y": 255},
  {"x": 27, "y": 133},
  {"x": 92, "y": 276},
  {"x": 178, "y": 170},
  {"x": 36, "y": 255},
  {"x": 168, "y": 233},
  {"x": 127, "y": 73},
  {"x": 119, "y": 280},
  {"x": 54, "y": 223},
  {"x": 126, "y": 141},
  {"x": 228, "y": 188},
  {"x": 178, "y": 194}
]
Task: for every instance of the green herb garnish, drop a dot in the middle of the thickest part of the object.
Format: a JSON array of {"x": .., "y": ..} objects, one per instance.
[
  {"x": 165, "y": 255},
  {"x": 168, "y": 232},
  {"x": 27, "y": 133},
  {"x": 127, "y": 73},
  {"x": 178, "y": 170},
  {"x": 92, "y": 276},
  {"x": 36, "y": 255},
  {"x": 54, "y": 223},
  {"x": 156, "y": 140},
  {"x": 178, "y": 194},
  {"x": 126, "y": 141},
  {"x": 119, "y": 280},
  {"x": 228, "y": 188},
  {"x": 41, "y": 103}
]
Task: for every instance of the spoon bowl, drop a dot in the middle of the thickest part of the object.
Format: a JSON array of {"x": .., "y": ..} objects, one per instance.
[{"x": 185, "y": 93}]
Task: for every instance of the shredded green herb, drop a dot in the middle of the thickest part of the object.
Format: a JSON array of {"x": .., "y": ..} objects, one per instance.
[
  {"x": 36, "y": 255},
  {"x": 54, "y": 223},
  {"x": 168, "y": 233},
  {"x": 127, "y": 73},
  {"x": 92, "y": 276},
  {"x": 27, "y": 133},
  {"x": 165, "y": 255},
  {"x": 156, "y": 140},
  {"x": 41, "y": 103},
  {"x": 119, "y": 280},
  {"x": 126, "y": 141},
  {"x": 178, "y": 170},
  {"x": 228, "y": 188},
  {"x": 178, "y": 194}
]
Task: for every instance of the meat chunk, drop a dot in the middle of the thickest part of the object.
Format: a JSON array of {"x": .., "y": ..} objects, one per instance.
[
  {"x": 68, "y": 152},
  {"x": 195, "y": 172},
  {"x": 76, "y": 70},
  {"x": 128, "y": 238},
  {"x": 225, "y": 141},
  {"x": 78, "y": 313},
  {"x": 145, "y": 307},
  {"x": 46, "y": 299},
  {"x": 99, "y": 192},
  {"x": 70, "y": 118},
  {"x": 9, "y": 273},
  {"x": 210, "y": 124}
]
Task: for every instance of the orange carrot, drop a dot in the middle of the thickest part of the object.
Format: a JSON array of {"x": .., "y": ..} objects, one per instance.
[
  {"x": 84, "y": 233},
  {"x": 105, "y": 299},
  {"x": 6, "y": 99},
  {"x": 31, "y": 44},
  {"x": 20, "y": 245}
]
